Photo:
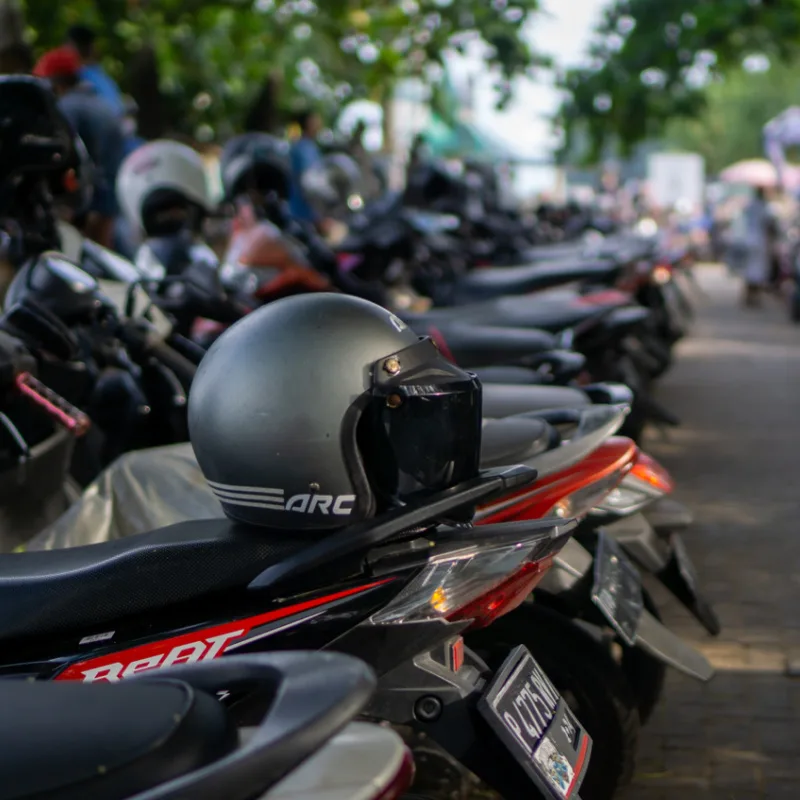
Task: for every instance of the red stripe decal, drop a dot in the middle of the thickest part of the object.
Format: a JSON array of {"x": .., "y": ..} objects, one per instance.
[
  {"x": 578, "y": 764},
  {"x": 199, "y": 645}
]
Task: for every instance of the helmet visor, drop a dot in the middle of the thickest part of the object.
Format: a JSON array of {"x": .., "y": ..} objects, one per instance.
[{"x": 429, "y": 417}]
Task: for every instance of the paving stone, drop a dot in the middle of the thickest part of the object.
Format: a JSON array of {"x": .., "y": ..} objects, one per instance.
[{"x": 736, "y": 459}]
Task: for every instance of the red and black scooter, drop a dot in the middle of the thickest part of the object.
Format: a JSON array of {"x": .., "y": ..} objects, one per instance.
[{"x": 398, "y": 592}]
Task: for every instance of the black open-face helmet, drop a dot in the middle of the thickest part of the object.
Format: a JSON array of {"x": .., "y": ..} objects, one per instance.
[
  {"x": 255, "y": 164},
  {"x": 322, "y": 410},
  {"x": 35, "y": 139}
]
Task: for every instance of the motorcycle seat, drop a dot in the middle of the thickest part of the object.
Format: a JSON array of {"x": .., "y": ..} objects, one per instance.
[
  {"x": 552, "y": 311},
  {"x": 616, "y": 248},
  {"x": 549, "y": 312},
  {"x": 506, "y": 400},
  {"x": 472, "y": 344},
  {"x": 513, "y": 440},
  {"x": 516, "y": 375},
  {"x": 49, "y": 591},
  {"x": 124, "y": 738},
  {"x": 484, "y": 284}
]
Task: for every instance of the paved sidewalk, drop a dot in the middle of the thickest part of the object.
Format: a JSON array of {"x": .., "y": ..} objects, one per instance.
[{"x": 736, "y": 459}]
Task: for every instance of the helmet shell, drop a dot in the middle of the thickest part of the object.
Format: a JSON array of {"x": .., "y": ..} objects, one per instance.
[
  {"x": 165, "y": 167},
  {"x": 285, "y": 417},
  {"x": 255, "y": 162}
]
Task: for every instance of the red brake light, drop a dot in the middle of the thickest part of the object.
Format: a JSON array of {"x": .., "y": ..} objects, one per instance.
[
  {"x": 647, "y": 469},
  {"x": 504, "y": 597},
  {"x": 662, "y": 274},
  {"x": 480, "y": 579}
]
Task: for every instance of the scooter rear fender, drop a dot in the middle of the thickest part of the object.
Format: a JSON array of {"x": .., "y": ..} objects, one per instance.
[
  {"x": 667, "y": 515},
  {"x": 570, "y": 579},
  {"x": 665, "y": 556}
]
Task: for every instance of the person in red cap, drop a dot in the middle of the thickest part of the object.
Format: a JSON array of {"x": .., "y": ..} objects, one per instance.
[{"x": 99, "y": 128}]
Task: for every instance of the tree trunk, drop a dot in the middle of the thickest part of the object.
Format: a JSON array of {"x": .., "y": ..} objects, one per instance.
[
  {"x": 12, "y": 25},
  {"x": 143, "y": 85},
  {"x": 15, "y": 55},
  {"x": 387, "y": 106},
  {"x": 264, "y": 115}
]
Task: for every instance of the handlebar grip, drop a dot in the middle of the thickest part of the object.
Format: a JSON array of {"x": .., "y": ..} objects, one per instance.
[
  {"x": 73, "y": 419},
  {"x": 183, "y": 368},
  {"x": 314, "y": 695}
]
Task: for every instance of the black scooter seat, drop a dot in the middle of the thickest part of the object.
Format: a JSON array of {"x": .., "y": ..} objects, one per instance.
[
  {"x": 514, "y": 375},
  {"x": 616, "y": 248},
  {"x": 506, "y": 400},
  {"x": 471, "y": 344},
  {"x": 56, "y": 590},
  {"x": 65, "y": 741},
  {"x": 513, "y": 440},
  {"x": 493, "y": 282},
  {"x": 551, "y": 311}
]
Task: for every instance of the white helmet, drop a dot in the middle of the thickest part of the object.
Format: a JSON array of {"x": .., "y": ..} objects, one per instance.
[{"x": 160, "y": 183}]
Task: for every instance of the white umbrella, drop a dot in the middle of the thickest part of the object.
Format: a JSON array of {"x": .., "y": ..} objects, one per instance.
[
  {"x": 758, "y": 172},
  {"x": 752, "y": 172}
]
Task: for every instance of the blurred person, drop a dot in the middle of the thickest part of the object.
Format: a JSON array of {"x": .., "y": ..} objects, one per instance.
[
  {"x": 82, "y": 39},
  {"x": 420, "y": 151},
  {"x": 99, "y": 128},
  {"x": 372, "y": 184},
  {"x": 304, "y": 154},
  {"x": 756, "y": 224}
]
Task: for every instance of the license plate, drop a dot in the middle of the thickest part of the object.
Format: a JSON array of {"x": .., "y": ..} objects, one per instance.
[
  {"x": 533, "y": 721},
  {"x": 617, "y": 589},
  {"x": 685, "y": 565}
]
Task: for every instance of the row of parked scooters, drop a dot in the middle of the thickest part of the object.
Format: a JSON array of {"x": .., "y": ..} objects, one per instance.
[{"x": 423, "y": 467}]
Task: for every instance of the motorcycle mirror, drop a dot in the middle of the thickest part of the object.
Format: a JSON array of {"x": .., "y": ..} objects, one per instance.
[
  {"x": 40, "y": 326},
  {"x": 54, "y": 272},
  {"x": 54, "y": 282}
]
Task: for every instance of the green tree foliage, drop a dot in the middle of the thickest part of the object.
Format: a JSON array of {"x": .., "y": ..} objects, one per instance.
[
  {"x": 651, "y": 60},
  {"x": 729, "y": 128},
  {"x": 213, "y": 57}
]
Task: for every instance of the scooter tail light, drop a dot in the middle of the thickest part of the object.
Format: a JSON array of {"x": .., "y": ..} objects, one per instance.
[
  {"x": 481, "y": 580},
  {"x": 649, "y": 471},
  {"x": 579, "y": 503},
  {"x": 646, "y": 482},
  {"x": 503, "y": 599},
  {"x": 661, "y": 274}
]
